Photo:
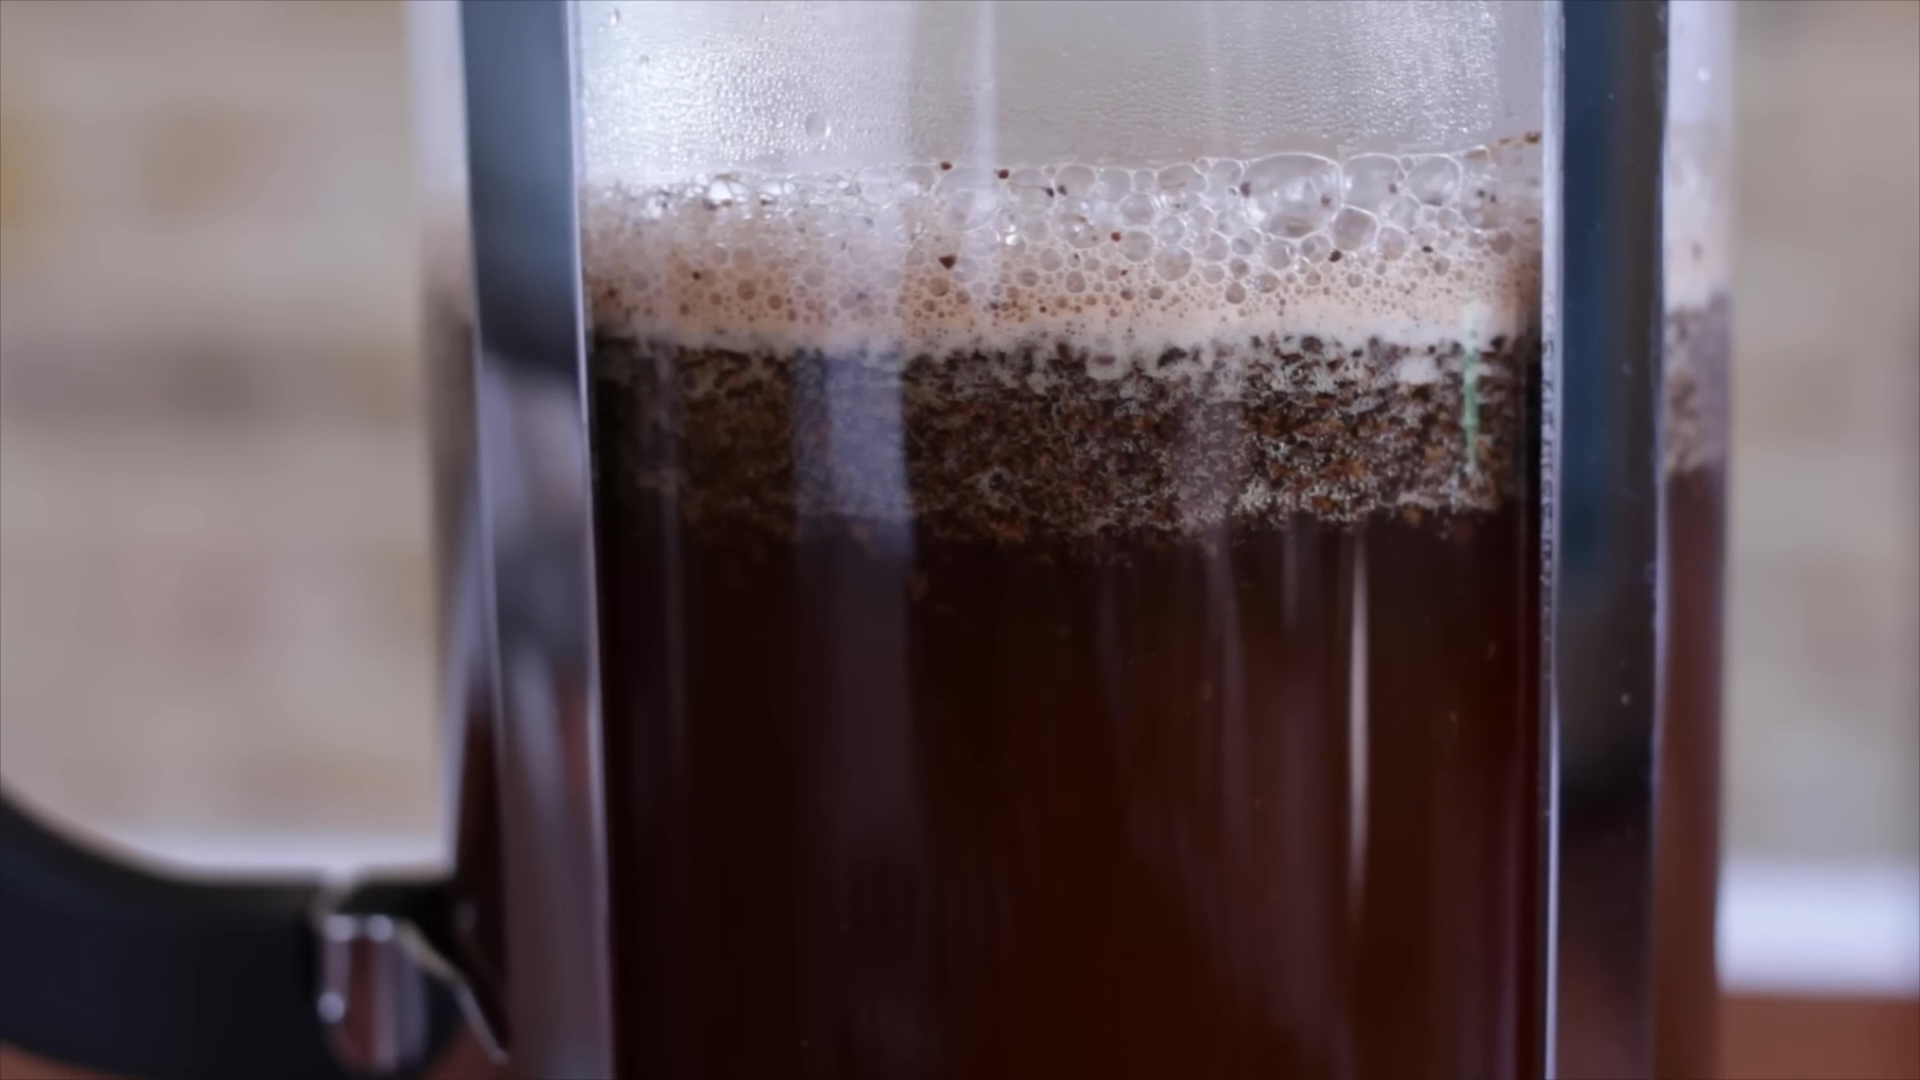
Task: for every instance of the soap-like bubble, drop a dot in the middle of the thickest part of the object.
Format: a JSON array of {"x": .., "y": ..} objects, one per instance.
[
  {"x": 1372, "y": 179},
  {"x": 1353, "y": 229},
  {"x": 1294, "y": 194},
  {"x": 1434, "y": 180},
  {"x": 1173, "y": 263},
  {"x": 1074, "y": 180},
  {"x": 1137, "y": 208}
]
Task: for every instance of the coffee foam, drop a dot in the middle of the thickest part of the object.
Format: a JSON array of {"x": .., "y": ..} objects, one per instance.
[
  {"x": 1697, "y": 213},
  {"x": 886, "y": 263}
]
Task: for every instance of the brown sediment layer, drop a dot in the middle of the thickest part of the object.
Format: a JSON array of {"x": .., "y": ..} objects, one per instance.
[
  {"x": 1033, "y": 445},
  {"x": 1698, "y": 340}
]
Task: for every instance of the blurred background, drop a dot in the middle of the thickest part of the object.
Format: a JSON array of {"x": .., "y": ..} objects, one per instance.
[{"x": 215, "y": 568}]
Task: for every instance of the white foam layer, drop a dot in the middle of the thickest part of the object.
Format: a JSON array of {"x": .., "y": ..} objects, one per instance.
[
  {"x": 1699, "y": 174},
  {"x": 1698, "y": 214},
  {"x": 895, "y": 261}
]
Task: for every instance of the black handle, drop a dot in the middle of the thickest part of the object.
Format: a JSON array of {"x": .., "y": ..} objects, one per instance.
[{"x": 114, "y": 968}]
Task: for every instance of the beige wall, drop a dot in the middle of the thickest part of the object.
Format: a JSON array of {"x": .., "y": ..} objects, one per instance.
[
  {"x": 1824, "y": 614},
  {"x": 215, "y": 610}
]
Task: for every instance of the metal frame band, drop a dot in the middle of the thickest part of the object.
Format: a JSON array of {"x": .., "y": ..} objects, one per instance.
[
  {"x": 532, "y": 456},
  {"x": 1601, "y": 505}
]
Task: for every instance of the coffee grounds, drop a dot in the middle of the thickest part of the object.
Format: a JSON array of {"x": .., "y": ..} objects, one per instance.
[{"x": 1030, "y": 445}]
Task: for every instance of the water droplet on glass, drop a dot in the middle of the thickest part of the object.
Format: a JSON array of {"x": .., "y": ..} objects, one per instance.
[{"x": 818, "y": 125}]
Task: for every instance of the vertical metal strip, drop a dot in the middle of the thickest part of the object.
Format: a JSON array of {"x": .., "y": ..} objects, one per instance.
[
  {"x": 1545, "y": 1015},
  {"x": 534, "y": 465},
  {"x": 1602, "y": 492}
]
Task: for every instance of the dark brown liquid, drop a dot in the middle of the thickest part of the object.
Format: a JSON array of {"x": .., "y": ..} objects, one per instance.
[
  {"x": 1686, "y": 983},
  {"x": 890, "y": 801}
]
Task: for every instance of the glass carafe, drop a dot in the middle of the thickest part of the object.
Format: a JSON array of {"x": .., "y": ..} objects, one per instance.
[
  {"x": 1061, "y": 534},
  {"x": 1005, "y": 539}
]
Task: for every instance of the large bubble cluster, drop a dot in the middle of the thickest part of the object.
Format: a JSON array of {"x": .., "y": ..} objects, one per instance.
[{"x": 889, "y": 262}]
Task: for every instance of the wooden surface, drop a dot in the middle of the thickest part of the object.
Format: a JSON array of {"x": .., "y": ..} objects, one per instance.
[
  {"x": 464, "y": 1062},
  {"x": 1780, "y": 1038},
  {"x": 1772, "y": 1038}
]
